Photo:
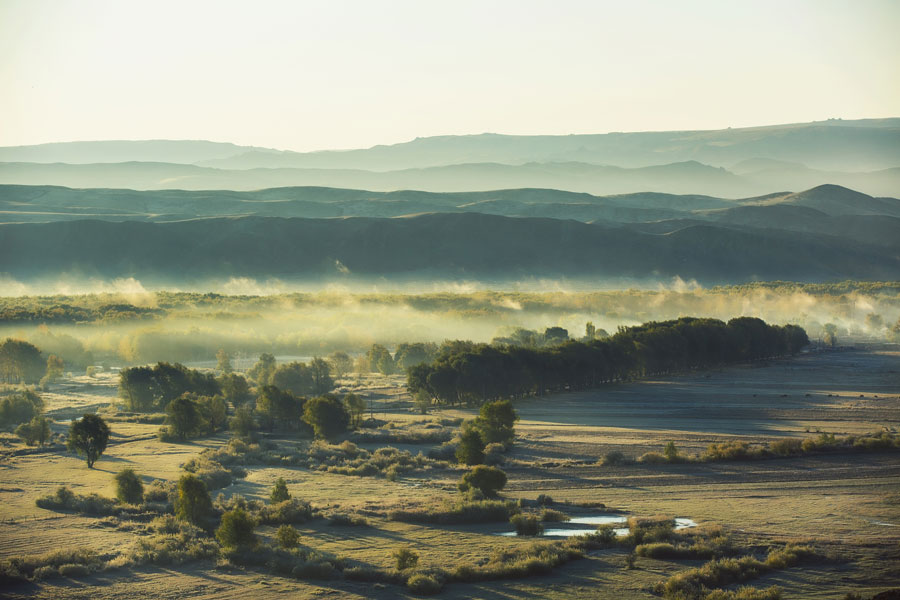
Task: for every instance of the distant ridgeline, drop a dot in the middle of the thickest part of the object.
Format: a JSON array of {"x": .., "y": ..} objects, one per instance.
[{"x": 473, "y": 373}]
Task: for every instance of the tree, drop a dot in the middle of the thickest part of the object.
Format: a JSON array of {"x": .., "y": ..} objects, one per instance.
[
  {"x": 213, "y": 412},
  {"x": 496, "y": 421},
  {"x": 192, "y": 503},
  {"x": 294, "y": 377},
  {"x": 88, "y": 436},
  {"x": 279, "y": 492},
  {"x": 379, "y": 360},
  {"x": 262, "y": 371},
  {"x": 409, "y": 355},
  {"x": 671, "y": 452},
  {"x": 275, "y": 405},
  {"x": 55, "y": 368},
  {"x": 236, "y": 530},
  {"x": 356, "y": 406},
  {"x": 422, "y": 401},
  {"x": 137, "y": 388},
  {"x": 589, "y": 331},
  {"x": 223, "y": 362},
  {"x": 327, "y": 416},
  {"x": 341, "y": 364},
  {"x": 242, "y": 424},
  {"x": 235, "y": 388},
  {"x": 488, "y": 480},
  {"x": 36, "y": 431},
  {"x": 830, "y": 338},
  {"x": 129, "y": 488},
  {"x": 406, "y": 558},
  {"x": 20, "y": 362},
  {"x": 287, "y": 537},
  {"x": 20, "y": 407},
  {"x": 321, "y": 376},
  {"x": 470, "y": 450},
  {"x": 183, "y": 417}
]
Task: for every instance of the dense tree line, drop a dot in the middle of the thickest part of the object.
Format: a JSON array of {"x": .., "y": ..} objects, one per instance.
[
  {"x": 145, "y": 389},
  {"x": 475, "y": 373}
]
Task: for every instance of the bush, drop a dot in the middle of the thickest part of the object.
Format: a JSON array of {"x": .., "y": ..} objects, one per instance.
[
  {"x": 614, "y": 458},
  {"x": 652, "y": 458},
  {"x": 36, "y": 431},
  {"x": 287, "y": 537},
  {"x": 236, "y": 530},
  {"x": 545, "y": 500},
  {"x": 289, "y": 511},
  {"x": 279, "y": 492},
  {"x": 73, "y": 570},
  {"x": 527, "y": 525},
  {"x": 466, "y": 511},
  {"x": 549, "y": 515},
  {"x": 193, "y": 503},
  {"x": 424, "y": 585},
  {"x": 470, "y": 449},
  {"x": 327, "y": 415},
  {"x": 493, "y": 454},
  {"x": 345, "y": 520},
  {"x": 406, "y": 558},
  {"x": 733, "y": 450},
  {"x": 42, "y": 566},
  {"x": 129, "y": 488},
  {"x": 488, "y": 480},
  {"x": 175, "y": 542}
]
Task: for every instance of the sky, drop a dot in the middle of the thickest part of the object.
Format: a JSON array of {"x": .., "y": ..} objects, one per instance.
[{"x": 310, "y": 75}]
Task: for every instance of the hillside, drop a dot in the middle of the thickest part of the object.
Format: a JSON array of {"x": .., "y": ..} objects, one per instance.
[{"x": 464, "y": 245}]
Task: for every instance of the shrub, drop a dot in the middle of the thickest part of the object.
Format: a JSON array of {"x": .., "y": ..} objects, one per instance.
[
  {"x": 732, "y": 450},
  {"x": 327, "y": 415},
  {"x": 653, "y": 458},
  {"x": 287, "y": 537},
  {"x": 470, "y": 449},
  {"x": 466, "y": 511},
  {"x": 527, "y": 525},
  {"x": 279, "y": 492},
  {"x": 73, "y": 570},
  {"x": 174, "y": 543},
  {"x": 493, "y": 454},
  {"x": 193, "y": 503},
  {"x": 21, "y": 568},
  {"x": 747, "y": 593},
  {"x": 488, "y": 480},
  {"x": 236, "y": 530},
  {"x": 614, "y": 458},
  {"x": 545, "y": 500},
  {"x": 406, "y": 558},
  {"x": 630, "y": 560},
  {"x": 549, "y": 515},
  {"x": 345, "y": 520},
  {"x": 424, "y": 585},
  {"x": 289, "y": 511},
  {"x": 36, "y": 431},
  {"x": 129, "y": 488}
]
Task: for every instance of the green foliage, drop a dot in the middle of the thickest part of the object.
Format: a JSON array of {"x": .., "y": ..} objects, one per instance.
[
  {"x": 356, "y": 407},
  {"x": 470, "y": 450},
  {"x": 144, "y": 389},
  {"x": 279, "y": 492},
  {"x": 378, "y": 359},
  {"x": 20, "y": 407},
  {"x": 301, "y": 379},
  {"x": 223, "y": 362},
  {"x": 406, "y": 558},
  {"x": 183, "y": 418},
  {"x": 129, "y": 487},
  {"x": 461, "y": 512},
  {"x": 45, "y": 566},
  {"x": 548, "y": 515},
  {"x": 263, "y": 370},
  {"x": 527, "y": 525},
  {"x": 341, "y": 364},
  {"x": 236, "y": 530},
  {"x": 88, "y": 436},
  {"x": 424, "y": 584},
  {"x": 614, "y": 458},
  {"x": 488, "y": 480},
  {"x": 193, "y": 503},
  {"x": 287, "y": 537},
  {"x": 235, "y": 388},
  {"x": 288, "y": 511},
  {"x": 327, "y": 415},
  {"x": 671, "y": 452},
  {"x": 275, "y": 405},
  {"x": 36, "y": 431},
  {"x": 496, "y": 421},
  {"x": 476, "y": 373},
  {"x": 242, "y": 424},
  {"x": 20, "y": 362}
]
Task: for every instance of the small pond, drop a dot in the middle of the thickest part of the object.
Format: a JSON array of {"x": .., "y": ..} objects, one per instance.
[{"x": 569, "y": 528}]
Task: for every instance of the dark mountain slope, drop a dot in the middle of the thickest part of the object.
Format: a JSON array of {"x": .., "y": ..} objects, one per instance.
[{"x": 448, "y": 245}]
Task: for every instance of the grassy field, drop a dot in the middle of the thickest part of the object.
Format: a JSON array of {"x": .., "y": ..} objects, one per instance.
[{"x": 846, "y": 504}]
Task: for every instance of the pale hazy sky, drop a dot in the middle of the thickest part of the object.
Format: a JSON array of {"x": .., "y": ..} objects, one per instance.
[{"x": 340, "y": 74}]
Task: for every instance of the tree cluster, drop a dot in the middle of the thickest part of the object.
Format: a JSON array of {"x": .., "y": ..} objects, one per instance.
[
  {"x": 20, "y": 362},
  {"x": 475, "y": 374},
  {"x": 191, "y": 415},
  {"x": 144, "y": 389}
]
